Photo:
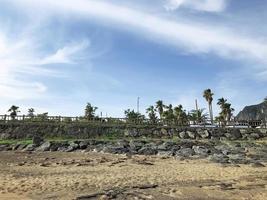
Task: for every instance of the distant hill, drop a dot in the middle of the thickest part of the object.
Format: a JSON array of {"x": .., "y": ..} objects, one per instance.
[{"x": 254, "y": 112}]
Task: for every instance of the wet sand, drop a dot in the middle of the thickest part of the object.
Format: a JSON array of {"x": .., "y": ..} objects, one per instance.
[{"x": 56, "y": 175}]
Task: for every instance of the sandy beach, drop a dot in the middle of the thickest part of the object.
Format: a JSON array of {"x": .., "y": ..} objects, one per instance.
[{"x": 77, "y": 175}]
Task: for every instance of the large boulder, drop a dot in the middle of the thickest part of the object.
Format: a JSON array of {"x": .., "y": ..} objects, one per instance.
[{"x": 45, "y": 147}]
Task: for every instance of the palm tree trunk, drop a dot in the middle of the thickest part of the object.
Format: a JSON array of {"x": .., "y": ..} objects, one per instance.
[{"x": 211, "y": 113}]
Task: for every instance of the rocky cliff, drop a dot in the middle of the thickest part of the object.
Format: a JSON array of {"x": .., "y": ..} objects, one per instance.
[{"x": 254, "y": 112}]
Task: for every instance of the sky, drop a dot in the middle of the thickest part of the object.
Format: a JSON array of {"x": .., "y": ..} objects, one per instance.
[{"x": 56, "y": 56}]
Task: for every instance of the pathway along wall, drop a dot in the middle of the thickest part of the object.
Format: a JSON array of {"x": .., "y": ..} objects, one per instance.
[{"x": 90, "y": 131}]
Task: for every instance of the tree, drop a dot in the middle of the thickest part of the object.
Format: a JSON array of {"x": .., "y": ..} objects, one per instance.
[
  {"x": 180, "y": 115},
  {"x": 198, "y": 115},
  {"x": 226, "y": 110},
  {"x": 133, "y": 116},
  {"x": 90, "y": 111},
  {"x": 160, "y": 108},
  {"x": 221, "y": 102},
  {"x": 14, "y": 110},
  {"x": 31, "y": 112},
  {"x": 168, "y": 114},
  {"x": 152, "y": 114},
  {"x": 265, "y": 100},
  {"x": 208, "y": 95},
  {"x": 43, "y": 116}
]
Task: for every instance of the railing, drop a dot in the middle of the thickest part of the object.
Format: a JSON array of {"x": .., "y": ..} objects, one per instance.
[{"x": 125, "y": 121}]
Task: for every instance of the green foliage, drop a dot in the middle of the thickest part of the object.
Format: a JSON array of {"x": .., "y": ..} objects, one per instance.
[
  {"x": 198, "y": 115},
  {"x": 90, "y": 111},
  {"x": 14, "y": 110},
  {"x": 31, "y": 112},
  {"x": 180, "y": 115},
  {"x": 226, "y": 110},
  {"x": 134, "y": 117},
  {"x": 152, "y": 114},
  {"x": 160, "y": 108}
]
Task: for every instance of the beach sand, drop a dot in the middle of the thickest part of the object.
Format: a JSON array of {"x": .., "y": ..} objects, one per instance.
[{"x": 55, "y": 175}]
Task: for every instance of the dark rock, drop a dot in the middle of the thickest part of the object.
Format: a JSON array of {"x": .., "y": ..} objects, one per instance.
[
  {"x": 201, "y": 150},
  {"x": 166, "y": 153},
  {"x": 115, "y": 149},
  {"x": 83, "y": 144},
  {"x": 185, "y": 152},
  {"x": 219, "y": 158},
  {"x": 183, "y": 135},
  {"x": 233, "y": 134},
  {"x": 254, "y": 112},
  {"x": 37, "y": 140},
  {"x": 147, "y": 151},
  {"x": 136, "y": 145}
]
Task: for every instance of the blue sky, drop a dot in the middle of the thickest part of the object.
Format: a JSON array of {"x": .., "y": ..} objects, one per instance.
[{"x": 57, "y": 55}]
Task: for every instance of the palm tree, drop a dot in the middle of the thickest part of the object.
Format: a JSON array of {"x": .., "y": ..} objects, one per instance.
[
  {"x": 198, "y": 115},
  {"x": 14, "y": 110},
  {"x": 180, "y": 114},
  {"x": 90, "y": 111},
  {"x": 221, "y": 102},
  {"x": 168, "y": 113},
  {"x": 160, "y": 108},
  {"x": 152, "y": 114},
  {"x": 207, "y": 94},
  {"x": 31, "y": 112}
]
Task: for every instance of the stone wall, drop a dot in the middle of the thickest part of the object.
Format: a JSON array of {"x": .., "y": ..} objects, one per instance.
[{"x": 90, "y": 131}]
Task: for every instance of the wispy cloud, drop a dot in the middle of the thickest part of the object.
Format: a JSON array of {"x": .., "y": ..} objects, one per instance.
[
  {"x": 200, "y": 5},
  {"x": 21, "y": 60},
  {"x": 188, "y": 36}
]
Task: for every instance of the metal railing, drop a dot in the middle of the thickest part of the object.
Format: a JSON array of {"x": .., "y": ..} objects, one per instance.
[{"x": 125, "y": 121}]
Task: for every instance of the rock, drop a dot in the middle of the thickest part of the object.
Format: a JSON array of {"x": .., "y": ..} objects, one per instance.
[
  {"x": 115, "y": 149},
  {"x": 147, "y": 151},
  {"x": 254, "y": 136},
  {"x": 165, "y": 153},
  {"x": 257, "y": 164},
  {"x": 201, "y": 150},
  {"x": 237, "y": 158},
  {"x": 185, "y": 152},
  {"x": 219, "y": 158},
  {"x": 166, "y": 146},
  {"x": 45, "y": 147},
  {"x": 131, "y": 133},
  {"x": 183, "y": 135},
  {"x": 74, "y": 145},
  {"x": 191, "y": 134},
  {"x": 37, "y": 140},
  {"x": 204, "y": 134},
  {"x": 234, "y": 134},
  {"x": 30, "y": 147},
  {"x": 136, "y": 145},
  {"x": 83, "y": 144},
  {"x": 21, "y": 147}
]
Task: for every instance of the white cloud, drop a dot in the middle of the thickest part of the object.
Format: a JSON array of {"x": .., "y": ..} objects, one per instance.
[
  {"x": 21, "y": 60},
  {"x": 189, "y": 36},
  {"x": 200, "y": 5}
]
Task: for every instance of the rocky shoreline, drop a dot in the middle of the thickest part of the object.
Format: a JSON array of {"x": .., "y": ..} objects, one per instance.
[{"x": 224, "y": 152}]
